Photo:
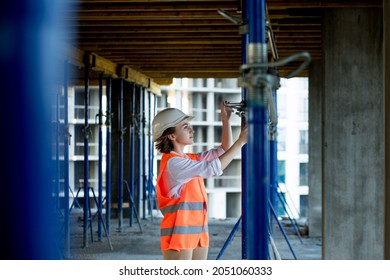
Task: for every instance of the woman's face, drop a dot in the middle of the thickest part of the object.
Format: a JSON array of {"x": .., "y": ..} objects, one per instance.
[{"x": 184, "y": 133}]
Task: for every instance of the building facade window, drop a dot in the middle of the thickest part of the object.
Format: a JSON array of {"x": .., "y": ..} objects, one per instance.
[
  {"x": 303, "y": 141},
  {"x": 199, "y": 106},
  {"x": 282, "y": 171},
  {"x": 303, "y": 110},
  {"x": 303, "y": 205},
  {"x": 303, "y": 174},
  {"x": 281, "y": 139}
]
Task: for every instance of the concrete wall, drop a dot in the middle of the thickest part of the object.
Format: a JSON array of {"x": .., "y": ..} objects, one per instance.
[{"x": 353, "y": 133}]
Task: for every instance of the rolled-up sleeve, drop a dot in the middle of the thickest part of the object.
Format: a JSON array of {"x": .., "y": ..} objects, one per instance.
[
  {"x": 211, "y": 154},
  {"x": 186, "y": 169},
  {"x": 181, "y": 170}
]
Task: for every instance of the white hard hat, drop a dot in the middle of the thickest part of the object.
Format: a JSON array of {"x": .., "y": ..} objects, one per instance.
[{"x": 169, "y": 117}]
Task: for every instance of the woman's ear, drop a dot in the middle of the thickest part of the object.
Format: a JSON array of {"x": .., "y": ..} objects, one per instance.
[{"x": 171, "y": 136}]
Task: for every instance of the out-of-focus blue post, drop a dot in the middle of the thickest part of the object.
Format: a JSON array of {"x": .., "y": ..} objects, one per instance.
[
  {"x": 66, "y": 163},
  {"x": 31, "y": 65},
  {"x": 258, "y": 149},
  {"x": 244, "y": 151}
]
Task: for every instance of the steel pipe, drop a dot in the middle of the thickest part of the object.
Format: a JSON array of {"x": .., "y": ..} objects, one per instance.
[
  {"x": 258, "y": 150},
  {"x": 108, "y": 155},
  {"x": 86, "y": 150}
]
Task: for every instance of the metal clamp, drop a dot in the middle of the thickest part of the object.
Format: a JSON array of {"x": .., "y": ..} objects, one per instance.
[
  {"x": 87, "y": 131},
  {"x": 109, "y": 117},
  {"x": 269, "y": 82},
  {"x": 302, "y": 55},
  {"x": 64, "y": 132},
  {"x": 240, "y": 107},
  {"x": 99, "y": 118}
]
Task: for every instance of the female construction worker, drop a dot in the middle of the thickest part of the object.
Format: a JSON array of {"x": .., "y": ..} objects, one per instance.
[{"x": 181, "y": 193}]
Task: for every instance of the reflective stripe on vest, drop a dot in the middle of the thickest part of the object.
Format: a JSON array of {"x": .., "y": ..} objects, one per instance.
[
  {"x": 184, "y": 230},
  {"x": 183, "y": 206}
]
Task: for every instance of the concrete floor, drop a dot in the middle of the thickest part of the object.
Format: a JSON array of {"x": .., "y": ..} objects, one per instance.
[{"x": 132, "y": 244}]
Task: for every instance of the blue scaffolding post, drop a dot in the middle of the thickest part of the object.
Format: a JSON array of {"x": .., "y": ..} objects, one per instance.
[
  {"x": 86, "y": 150},
  {"x": 282, "y": 230},
  {"x": 244, "y": 151},
  {"x": 288, "y": 211},
  {"x": 257, "y": 215},
  {"x": 138, "y": 151},
  {"x": 273, "y": 133},
  {"x": 133, "y": 124},
  {"x": 143, "y": 153},
  {"x": 66, "y": 136},
  {"x": 273, "y": 146},
  {"x": 57, "y": 135},
  {"x": 120, "y": 157},
  {"x": 151, "y": 189},
  {"x": 99, "y": 201},
  {"x": 108, "y": 155},
  {"x": 148, "y": 139},
  {"x": 100, "y": 172}
]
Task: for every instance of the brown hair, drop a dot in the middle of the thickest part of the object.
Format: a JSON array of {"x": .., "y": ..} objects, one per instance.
[{"x": 163, "y": 144}]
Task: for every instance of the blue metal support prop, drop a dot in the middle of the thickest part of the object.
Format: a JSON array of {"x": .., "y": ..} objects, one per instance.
[
  {"x": 151, "y": 188},
  {"x": 244, "y": 151},
  {"x": 287, "y": 209},
  {"x": 258, "y": 166},
  {"x": 120, "y": 157},
  {"x": 99, "y": 201},
  {"x": 132, "y": 205},
  {"x": 149, "y": 162},
  {"x": 57, "y": 136},
  {"x": 273, "y": 145},
  {"x": 108, "y": 155},
  {"x": 86, "y": 150},
  {"x": 282, "y": 230},
  {"x": 66, "y": 136},
  {"x": 31, "y": 47},
  {"x": 143, "y": 153},
  {"x": 100, "y": 172},
  {"x": 133, "y": 124},
  {"x": 230, "y": 238},
  {"x": 258, "y": 151},
  {"x": 139, "y": 147}
]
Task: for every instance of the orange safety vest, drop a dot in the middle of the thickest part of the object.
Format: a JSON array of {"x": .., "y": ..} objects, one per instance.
[{"x": 184, "y": 225}]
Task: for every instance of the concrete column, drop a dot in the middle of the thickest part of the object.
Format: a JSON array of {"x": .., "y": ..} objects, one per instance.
[
  {"x": 353, "y": 133},
  {"x": 315, "y": 149},
  {"x": 386, "y": 60}
]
